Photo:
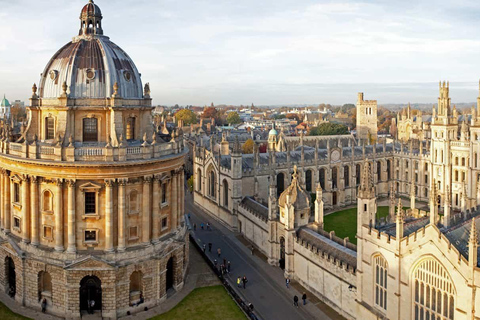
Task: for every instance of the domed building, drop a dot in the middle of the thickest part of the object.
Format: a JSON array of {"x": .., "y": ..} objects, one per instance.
[
  {"x": 5, "y": 108},
  {"x": 91, "y": 194}
]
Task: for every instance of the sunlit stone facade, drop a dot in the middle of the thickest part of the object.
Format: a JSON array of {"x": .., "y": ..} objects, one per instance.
[{"x": 91, "y": 195}]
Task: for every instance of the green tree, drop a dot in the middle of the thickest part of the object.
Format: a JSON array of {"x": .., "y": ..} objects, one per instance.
[
  {"x": 233, "y": 118},
  {"x": 190, "y": 183},
  {"x": 187, "y": 116},
  {"x": 248, "y": 146},
  {"x": 328, "y": 129}
]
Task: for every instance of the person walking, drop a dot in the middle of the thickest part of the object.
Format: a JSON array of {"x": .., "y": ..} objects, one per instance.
[
  {"x": 295, "y": 301},
  {"x": 253, "y": 248},
  {"x": 219, "y": 252},
  {"x": 209, "y": 247},
  {"x": 239, "y": 281},
  {"x": 215, "y": 263},
  {"x": 244, "y": 281},
  {"x": 228, "y": 266},
  {"x": 225, "y": 261},
  {"x": 44, "y": 305},
  {"x": 201, "y": 225},
  {"x": 304, "y": 298},
  {"x": 287, "y": 282},
  {"x": 204, "y": 248},
  {"x": 208, "y": 226},
  {"x": 194, "y": 227}
]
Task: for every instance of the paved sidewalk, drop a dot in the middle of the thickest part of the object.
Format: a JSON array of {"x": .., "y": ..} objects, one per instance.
[{"x": 266, "y": 288}]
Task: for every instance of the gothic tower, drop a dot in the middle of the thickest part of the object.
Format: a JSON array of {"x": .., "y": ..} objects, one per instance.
[{"x": 366, "y": 119}]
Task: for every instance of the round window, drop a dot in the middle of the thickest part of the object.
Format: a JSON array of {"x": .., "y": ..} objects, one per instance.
[
  {"x": 90, "y": 73},
  {"x": 127, "y": 75},
  {"x": 53, "y": 74}
]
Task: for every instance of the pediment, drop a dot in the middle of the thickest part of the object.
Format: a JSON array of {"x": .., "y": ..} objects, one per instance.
[
  {"x": 90, "y": 186},
  {"x": 13, "y": 249},
  {"x": 90, "y": 263}
]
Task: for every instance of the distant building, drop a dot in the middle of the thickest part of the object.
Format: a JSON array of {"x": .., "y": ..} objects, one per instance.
[
  {"x": 366, "y": 118},
  {"x": 5, "y": 108}
]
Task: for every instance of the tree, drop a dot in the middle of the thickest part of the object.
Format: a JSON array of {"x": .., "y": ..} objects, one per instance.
[
  {"x": 293, "y": 116},
  {"x": 248, "y": 146},
  {"x": 278, "y": 116},
  {"x": 233, "y": 118},
  {"x": 190, "y": 183},
  {"x": 187, "y": 116},
  {"x": 328, "y": 129},
  {"x": 209, "y": 112}
]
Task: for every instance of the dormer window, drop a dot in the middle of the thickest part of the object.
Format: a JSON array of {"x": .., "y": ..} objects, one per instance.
[
  {"x": 90, "y": 130},
  {"x": 49, "y": 128}
]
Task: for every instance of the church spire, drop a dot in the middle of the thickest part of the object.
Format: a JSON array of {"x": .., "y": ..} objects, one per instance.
[{"x": 366, "y": 190}]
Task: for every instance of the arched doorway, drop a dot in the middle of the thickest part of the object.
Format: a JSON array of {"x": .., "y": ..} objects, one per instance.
[
  {"x": 10, "y": 276},
  {"x": 170, "y": 274},
  {"x": 90, "y": 289},
  {"x": 282, "y": 253},
  {"x": 334, "y": 198}
]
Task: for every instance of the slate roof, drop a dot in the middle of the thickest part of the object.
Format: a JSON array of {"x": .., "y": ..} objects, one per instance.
[
  {"x": 410, "y": 226},
  {"x": 254, "y": 206},
  {"x": 328, "y": 246},
  {"x": 459, "y": 235}
]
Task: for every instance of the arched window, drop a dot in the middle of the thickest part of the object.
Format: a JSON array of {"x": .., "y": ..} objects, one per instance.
[
  {"x": 381, "y": 277},
  {"x": 130, "y": 132},
  {"x": 321, "y": 177},
  {"x": 389, "y": 168},
  {"x": 225, "y": 193},
  {"x": 358, "y": 171},
  {"x": 280, "y": 183},
  {"x": 211, "y": 184},
  {"x": 47, "y": 201},
  {"x": 463, "y": 161},
  {"x": 334, "y": 178},
  {"x": 133, "y": 202},
  {"x": 456, "y": 161},
  {"x": 44, "y": 286},
  {"x": 308, "y": 180},
  {"x": 49, "y": 128},
  {"x": 379, "y": 171},
  {"x": 90, "y": 130},
  {"x": 434, "y": 292},
  {"x": 199, "y": 180},
  {"x": 136, "y": 287},
  {"x": 346, "y": 175}
]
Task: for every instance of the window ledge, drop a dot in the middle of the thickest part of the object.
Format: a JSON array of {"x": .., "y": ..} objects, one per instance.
[
  {"x": 48, "y": 212},
  {"x": 133, "y": 239},
  {"x": 17, "y": 229},
  {"x": 133, "y": 213},
  {"x": 164, "y": 204},
  {"x": 17, "y": 205},
  {"x": 90, "y": 243},
  {"x": 91, "y": 216}
]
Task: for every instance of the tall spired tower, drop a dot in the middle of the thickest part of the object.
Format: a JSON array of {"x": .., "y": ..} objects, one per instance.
[{"x": 92, "y": 196}]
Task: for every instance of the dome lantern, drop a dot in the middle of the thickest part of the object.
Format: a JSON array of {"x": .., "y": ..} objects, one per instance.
[{"x": 91, "y": 20}]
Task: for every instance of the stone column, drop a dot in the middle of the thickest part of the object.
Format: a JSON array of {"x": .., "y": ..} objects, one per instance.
[
  {"x": 178, "y": 197},
  {"x": 173, "y": 201},
  {"x": 72, "y": 241},
  {"x": 146, "y": 211},
  {"x": 6, "y": 200},
  {"x": 121, "y": 215},
  {"x": 59, "y": 216},
  {"x": 182, "y": 194},
  {"x": 25, "y": 209},
  {"x": 34, "y": 204},
  {"x": 109, "y": 215},
  {"x": 156, "y": 208},
  {"x": 2, "y": 210}
]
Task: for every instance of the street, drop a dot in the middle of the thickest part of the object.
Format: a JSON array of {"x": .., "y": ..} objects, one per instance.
[{"x": 266, "y": 288}]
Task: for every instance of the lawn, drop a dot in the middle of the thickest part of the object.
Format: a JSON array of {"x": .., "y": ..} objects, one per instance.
[
  {"x": 213, "y": 303},
  {"x": 7, "y": 314},
  {"x": 344, "y": 222}
]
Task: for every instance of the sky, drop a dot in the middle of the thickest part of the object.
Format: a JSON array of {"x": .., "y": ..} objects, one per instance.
[{"x": 269, "y": 52}]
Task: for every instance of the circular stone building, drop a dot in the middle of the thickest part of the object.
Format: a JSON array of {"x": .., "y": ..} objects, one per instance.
[{"x": 91, "y": 194}]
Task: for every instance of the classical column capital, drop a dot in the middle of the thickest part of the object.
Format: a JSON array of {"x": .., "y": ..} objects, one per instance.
[
  {"x": 71, "y": 183},
  {"x": 147, "y": 179},
  {"x": 58, "y": 182},
  {"x": 34, "y": 179},
  {"x": 24, "y": 177},
  {"x": 109, "y": 182},
  {"x": 5, "y": 172},
  {"x": 157, "y": 178},
  {"x": 122, "y": 181}
]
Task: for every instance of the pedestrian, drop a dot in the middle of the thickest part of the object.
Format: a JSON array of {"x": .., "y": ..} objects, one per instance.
[
  {"x": 92, "y": 305},
  {"x": 295, "y": 301},
  {"x": 189, "y": 216},
  {"x": 304, "y": 298},
  {"x": 239, "y": 281},
  {"x": 219, "y": 252},
  {"x": 228, "y": 266},
  {"x": 208, "y": 226},
  {"x": 287, "y": 282},
  {"x": 244, "y": 281},
  {"x": 225, "y": 262},
  {"x": 44, "y": 305},
  {"x": 201, "y": 225},
  {"x": 250, "y": 306},
  {"x": 204, "y": 248},
  {"x": 215, "y": 263},
  {"x": 209, "y": 247},
  {"x": 194, "y": 227},
  {"x": 252, "y": 249}
]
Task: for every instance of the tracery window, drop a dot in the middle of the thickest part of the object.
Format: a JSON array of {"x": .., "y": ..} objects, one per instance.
[
  {"x": 381, "y": 282},
  {"x": 434, "y": 293}
]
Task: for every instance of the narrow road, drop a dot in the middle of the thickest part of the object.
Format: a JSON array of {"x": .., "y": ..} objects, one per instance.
[{"x": 266, "y": 288}]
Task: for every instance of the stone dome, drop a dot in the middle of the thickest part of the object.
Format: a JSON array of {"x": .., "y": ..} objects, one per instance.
[
  {"x": 298, "y": 196},
  {"x": 90, "y": 65},
  {"x": 5, "y": 102},
  {"x": 273, "y": 132}
]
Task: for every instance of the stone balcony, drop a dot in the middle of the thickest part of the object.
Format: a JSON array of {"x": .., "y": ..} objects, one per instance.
[{"x": 96, "y": 152}]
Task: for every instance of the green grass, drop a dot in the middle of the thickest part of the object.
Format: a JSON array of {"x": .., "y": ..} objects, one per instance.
[
  {"x": 7, "y": 314},
  {"x": 213, "y": 303},
  {"x": 344, "y": 222}
]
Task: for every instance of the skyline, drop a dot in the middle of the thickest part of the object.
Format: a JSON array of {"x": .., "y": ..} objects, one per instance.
[{"x": 279, "y": 53}]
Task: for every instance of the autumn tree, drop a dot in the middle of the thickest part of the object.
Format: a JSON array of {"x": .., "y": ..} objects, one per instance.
[
  {"x": 248, "y": 146},
  {"x": 187, "y": 116},
  {"x": 233, "y": 118},
  {"x": 209, "y": 112}
]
